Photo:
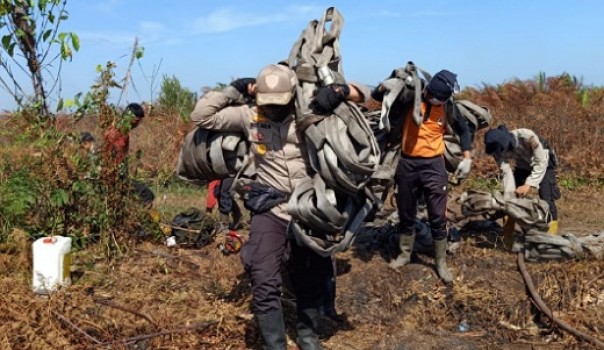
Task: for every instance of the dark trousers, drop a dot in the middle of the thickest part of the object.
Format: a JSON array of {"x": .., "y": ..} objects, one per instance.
[
  {"x": 310, "y": 272},
  {"x": 262, "y": 257},
  {"x": 548, "y": 188},
  {"x": 427, "y": 176}
]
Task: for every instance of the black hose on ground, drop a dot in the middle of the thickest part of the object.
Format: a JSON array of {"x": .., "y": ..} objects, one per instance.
[{"x": 541, "y": 305}]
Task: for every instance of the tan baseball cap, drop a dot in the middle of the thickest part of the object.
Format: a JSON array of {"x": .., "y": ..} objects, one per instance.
[{"x": 275, "y": 85}]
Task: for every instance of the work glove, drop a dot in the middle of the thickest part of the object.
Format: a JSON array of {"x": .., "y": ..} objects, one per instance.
[
  {"x": 463, "y": 169},
  {"x": 378, "y": 93},
  {"x": 327, "y": 98}
]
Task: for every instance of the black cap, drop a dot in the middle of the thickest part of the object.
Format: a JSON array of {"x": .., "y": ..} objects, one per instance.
[
  {"x": 86, "y": 137},
  {"x": 442, "y": 85},
  {"x": 136, "y": 110},
  {"x": 498, "y": 140}
]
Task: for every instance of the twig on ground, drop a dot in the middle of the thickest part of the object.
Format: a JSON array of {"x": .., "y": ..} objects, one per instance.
[
  {"x": 156, "y": 252},
  {"x": 72, "y": 325},
  {"x": 198, "y": 326},
  {"x": 541, "y": 305},
  {"x": 180, "y": 228},
  {"x": 127, "y": 309}
]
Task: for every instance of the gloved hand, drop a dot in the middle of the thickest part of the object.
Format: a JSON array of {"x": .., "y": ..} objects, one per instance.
[
  {"x": 241, "y": 85},
  {"x": 463, "y": 169},
  {"x": 378, "y": 93},
  {"x": 327, "y": 98}
]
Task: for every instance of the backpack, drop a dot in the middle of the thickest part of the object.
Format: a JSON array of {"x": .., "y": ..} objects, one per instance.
[{"x": 553, "y": 156}]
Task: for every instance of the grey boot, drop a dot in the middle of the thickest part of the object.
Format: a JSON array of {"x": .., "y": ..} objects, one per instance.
[
  {"x": 306, "y": 328},
  {"x": 405, "y": 243},
  {"x": 440, "y": 252},
  {"x": 272, "y": 329}
]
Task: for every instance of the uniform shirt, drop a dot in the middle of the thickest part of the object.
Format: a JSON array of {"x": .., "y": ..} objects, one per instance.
[
  {"x": 277, "y": 147},
  {"x": 529, "y": 154}
]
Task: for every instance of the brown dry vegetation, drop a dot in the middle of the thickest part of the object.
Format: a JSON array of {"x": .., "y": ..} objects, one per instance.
[{"x": 172, "y": 289}]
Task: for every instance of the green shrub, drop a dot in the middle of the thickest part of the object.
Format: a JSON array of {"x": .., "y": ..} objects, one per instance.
[
  {"x": 176, "y": 98},
  {"x": 18, "y": 196}
]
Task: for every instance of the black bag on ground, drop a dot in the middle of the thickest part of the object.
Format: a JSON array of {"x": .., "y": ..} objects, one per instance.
[
  {"x": 259, "y": 198},
  {"x": 188, "y": 228}
]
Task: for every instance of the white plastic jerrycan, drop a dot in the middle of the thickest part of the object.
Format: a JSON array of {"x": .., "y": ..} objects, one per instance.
[{"x": 52, "y": 263}]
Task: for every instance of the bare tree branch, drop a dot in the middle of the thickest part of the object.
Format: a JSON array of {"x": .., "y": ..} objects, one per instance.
[{"x": 128, "y": 75}]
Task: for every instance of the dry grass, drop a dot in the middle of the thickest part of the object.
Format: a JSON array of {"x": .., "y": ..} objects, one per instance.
[
  {"x": 385, "y": 310},
  {"x": 192, "y": 287},
  {"x": 559, "y": 109}
]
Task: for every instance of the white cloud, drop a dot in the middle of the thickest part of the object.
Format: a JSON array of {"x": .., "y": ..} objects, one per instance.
[
  {"x": 151, "y": 27},
  {"x": 435, "y": 13},
  {"x": 110, "y": 38},
  {"x": 218, "y": 21},
  {"x": 148, "y": 32},
  {"x": 107, "y": 6},
  {"x": 227, "y": 19}
]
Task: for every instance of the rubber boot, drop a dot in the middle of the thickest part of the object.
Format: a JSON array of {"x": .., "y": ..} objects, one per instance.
[
  {"x": 440, "y": 252},
  {"x": 405, "y": 243},
  {"x": 553, "y": 227},
  {"x": 272, "y": 329},
  {"x": 508, "y": 232},
  {"x": 306, "y": 328}
]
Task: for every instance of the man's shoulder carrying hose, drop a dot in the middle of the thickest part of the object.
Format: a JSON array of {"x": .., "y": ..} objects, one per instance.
[{"x": 210, "y": 155}]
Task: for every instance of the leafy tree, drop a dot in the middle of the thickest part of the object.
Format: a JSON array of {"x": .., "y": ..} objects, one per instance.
[
  {"x": 32, "y": 44},
  {"x": 175, "y": 97}
]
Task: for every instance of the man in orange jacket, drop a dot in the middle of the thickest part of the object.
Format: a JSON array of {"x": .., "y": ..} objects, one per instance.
[{"x": 421, "y": 169}]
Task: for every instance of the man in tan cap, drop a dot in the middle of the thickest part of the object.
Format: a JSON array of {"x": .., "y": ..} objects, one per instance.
[{"x": 278, "y": 155}]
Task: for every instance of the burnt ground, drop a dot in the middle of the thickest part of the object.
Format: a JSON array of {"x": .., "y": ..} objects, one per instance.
[{"x": 199, "y": 298}]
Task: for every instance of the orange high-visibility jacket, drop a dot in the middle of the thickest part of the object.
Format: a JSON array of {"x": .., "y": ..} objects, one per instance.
[{"x": 425, "y": 140}]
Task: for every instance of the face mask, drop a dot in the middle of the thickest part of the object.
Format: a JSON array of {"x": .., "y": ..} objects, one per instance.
[
  {"x": 435, "y": 102},
  {"x": 276, "y": 113}
]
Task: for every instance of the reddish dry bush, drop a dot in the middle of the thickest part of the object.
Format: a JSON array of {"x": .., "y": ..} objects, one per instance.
[
  {"x": 159, "y": 138},
  {"x": 560, "y": 110}
]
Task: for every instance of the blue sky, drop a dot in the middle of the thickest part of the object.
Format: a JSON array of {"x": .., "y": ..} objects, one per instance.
[{"x": 205, "y": 42}]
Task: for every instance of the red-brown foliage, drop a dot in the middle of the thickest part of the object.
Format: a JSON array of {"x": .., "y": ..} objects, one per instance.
[{"x": 559, "y": 109}]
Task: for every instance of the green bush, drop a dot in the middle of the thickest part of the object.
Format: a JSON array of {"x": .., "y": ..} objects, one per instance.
[
  {"x": 176, "y": 98},
  {"x": 18, "y": 195}
]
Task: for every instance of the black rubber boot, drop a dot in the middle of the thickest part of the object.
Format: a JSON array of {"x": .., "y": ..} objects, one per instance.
[
  {"x": 272, "y": 329},
  {"x": 307, "y": 329}
]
